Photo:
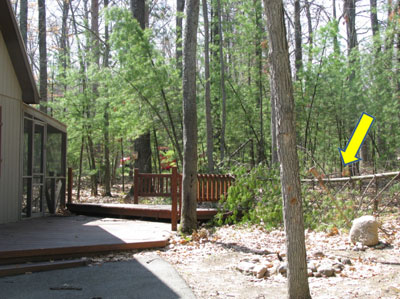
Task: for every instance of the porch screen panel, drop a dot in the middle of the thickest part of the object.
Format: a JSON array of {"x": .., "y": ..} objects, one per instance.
[{"x": 1, "y": 128}]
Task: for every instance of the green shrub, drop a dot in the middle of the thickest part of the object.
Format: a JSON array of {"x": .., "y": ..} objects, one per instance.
[{"x": 255, "y": 197}]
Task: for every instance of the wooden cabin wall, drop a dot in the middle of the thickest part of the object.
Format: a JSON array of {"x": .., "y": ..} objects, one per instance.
[{"x": 11, "y": 101}]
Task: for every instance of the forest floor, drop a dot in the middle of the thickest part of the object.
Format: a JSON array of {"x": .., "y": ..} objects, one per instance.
[{"x": 217, "y": 262}]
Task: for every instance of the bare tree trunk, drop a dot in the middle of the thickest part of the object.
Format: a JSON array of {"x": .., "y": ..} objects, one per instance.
[
  {"x": 180, "y": 7},
  {"x": 298, "y": 51},
  {"x": 335, "y": 38},
  {"x": 207, "y": 98},
  {"x": 138, "y": 9},
  {"x": 142, "y": 146},
  {"x": 63, "y": 41},
  {"x": 43, "y": 55},
  {"x": 258, "y": 53},
  {"x": 375, "y": 25},
  {"x": 23, "y": 20},
  {"x": 274, "y": 146},
  {"x": 143, "y": 143},
  {"x": 189, "y": 178},
  {"x": 223, "y": 91},
  {"x": 282, "y": 92},
  {"x": 94, "y": 46},
  {"x": 107, "y": 164},
  {"x": 349, "y": 13},
  {"x": 310, "y": 31}
]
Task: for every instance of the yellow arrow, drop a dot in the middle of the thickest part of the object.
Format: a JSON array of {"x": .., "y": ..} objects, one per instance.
[{"x": 349, "y": 155}]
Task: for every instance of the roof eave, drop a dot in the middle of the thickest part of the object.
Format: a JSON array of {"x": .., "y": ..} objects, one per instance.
[{"x": 17, "y": 53}]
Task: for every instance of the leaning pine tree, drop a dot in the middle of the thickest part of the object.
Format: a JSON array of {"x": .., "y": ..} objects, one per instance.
[
  {"x": 282, "y": 94},
  {"x": 189, "y": 178}
]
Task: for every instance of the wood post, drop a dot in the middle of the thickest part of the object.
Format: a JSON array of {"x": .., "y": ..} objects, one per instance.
[
  {"x": 174, "y": 192},
  {"x": 136, "y": 186},
  {"x": 70, "y": 182}
]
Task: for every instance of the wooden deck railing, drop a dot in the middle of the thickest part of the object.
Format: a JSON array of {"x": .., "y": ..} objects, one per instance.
[{"x": 210, "y": 188}]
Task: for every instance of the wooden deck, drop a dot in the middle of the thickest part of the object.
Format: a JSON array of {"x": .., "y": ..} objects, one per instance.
[
  {"x": 77, "y": 236},
  {"x": 135, "y": 210}
]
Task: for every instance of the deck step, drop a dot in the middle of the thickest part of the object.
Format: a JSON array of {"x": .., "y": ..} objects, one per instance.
[{"x": 16, "y": 269}]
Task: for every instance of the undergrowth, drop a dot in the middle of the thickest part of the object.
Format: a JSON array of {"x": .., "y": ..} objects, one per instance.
[{"x": 256, "y": 198}]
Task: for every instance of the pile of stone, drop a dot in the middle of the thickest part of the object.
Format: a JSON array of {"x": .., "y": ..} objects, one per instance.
[
  {"x": 315, "y": 268},
  {"x": 259, "y": 269}
]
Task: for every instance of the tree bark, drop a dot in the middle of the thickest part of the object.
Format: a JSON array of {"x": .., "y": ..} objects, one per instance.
[
  {"x": 375, "y": 25},
  {"x": 138, "y": 9},
  {"x": 258, "y": 53},
  {"x": 107, "y": 164},
  {"x": 142, "y": 146},
  {"x": 282, "y": 92},
  {"x": 189, "y": 179},
  {"x": 23, "y": 20},
  {"x": 207, "y": 98},
  {"x": 42, "y": 55},
  {"x": 274, "y": 146},
  {"x": 298, "y": 51},
  {"x": 180, "y": 7},
  {"x": 310, "y": 31},
  {"x": 143, "y": 143},
  {"x": 223, "y": 91},
  {"x": 63, "y": 41},
  {"x": 349, "y": 13},
  {"x": 335, "y": 38}
]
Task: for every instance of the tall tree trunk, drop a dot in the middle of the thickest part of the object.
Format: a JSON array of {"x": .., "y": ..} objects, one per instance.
[
  {"x": 142, "y": 146},
  {"x": 189, "y": 178},
  {"x": 207, "y": 98},
  {"x": 63, "y": 42},
  {"x": 335, "y": 37},
  {"x": 282, "y": 92},
  {"x": 223, "y": 91},
  {"x": 375, "y": 25},
  {"x": 143, "y": 143},
  {"x": 94, "y": 46},
  {"x": 258, "y": 54},
  {"x": 349, "y": 13},
  {"x": 138, "y": 9},
  {"x": 107, "y": 163},
  {"x": 310, "y": 31},
  {"x": 274, "y": 146},
  {"x": 42, "y": 55},
  {"x": 180, "y": 7},
  {"x": 298, "y": 51},
  {"x": 23, "y": 20}
]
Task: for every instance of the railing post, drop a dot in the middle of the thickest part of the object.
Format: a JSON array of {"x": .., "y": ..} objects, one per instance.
[
  {"x": 174, "y": 192},
  {"x": 70, "y": 182},
  {"x": 136, "y": 186}
]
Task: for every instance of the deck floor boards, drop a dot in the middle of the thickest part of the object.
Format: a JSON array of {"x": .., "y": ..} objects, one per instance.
[{"x": 79, "y": 234}]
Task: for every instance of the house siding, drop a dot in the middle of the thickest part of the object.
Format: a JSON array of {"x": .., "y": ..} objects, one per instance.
[{"x": 10, "y": 101}]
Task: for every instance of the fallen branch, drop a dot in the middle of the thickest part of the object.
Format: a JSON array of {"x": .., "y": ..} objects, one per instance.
[{"x": 315, "y": 173}]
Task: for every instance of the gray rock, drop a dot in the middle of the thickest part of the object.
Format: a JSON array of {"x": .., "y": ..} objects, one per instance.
[
  {"x": 260, "y": 271},
  {"x": 312, "y": 265},
  {"x": 283, "y": 269},
  {"x": 245, "y": 267},
  {"x": 326, "y": 270},
  {"x": 345, "y": 261},
  {"x": 380, "y": 246},
  {"x": 365, "y": 231},
  {"x": 319, "y": 254},
  {"x": 338, "y": 267}
]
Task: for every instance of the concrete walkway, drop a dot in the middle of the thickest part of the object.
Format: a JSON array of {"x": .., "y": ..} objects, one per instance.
[{"x": 147, "y": 277}]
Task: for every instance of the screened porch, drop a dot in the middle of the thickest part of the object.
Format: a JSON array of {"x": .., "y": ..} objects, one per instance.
[{"x": 44, "y": 145}]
